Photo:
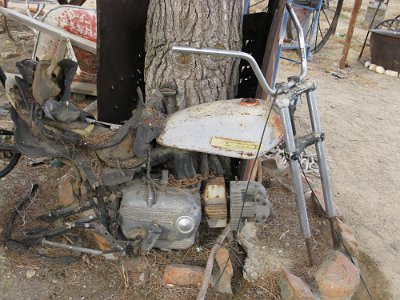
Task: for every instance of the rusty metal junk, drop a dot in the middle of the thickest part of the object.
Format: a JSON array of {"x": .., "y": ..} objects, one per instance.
[{"x": 141, "y": 189}]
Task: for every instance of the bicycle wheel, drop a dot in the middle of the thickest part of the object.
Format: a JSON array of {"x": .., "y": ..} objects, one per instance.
[
  {"x": 9, "y": 154},
  {"x": 316, "y": 31},
  {"x": 390, "y": 24}
]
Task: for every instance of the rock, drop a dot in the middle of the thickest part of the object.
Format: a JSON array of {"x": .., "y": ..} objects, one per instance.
[
  {"x": 287, "y": 181},
  {"x": 248, "y": 239},
  {"x": 348, "y": 239},
  {"x": 222, "y": 283},
  {"x": 337, "y": 278},
  {"x": 367, "y": 64},
  {"x": 183, "y": 275},
  {"x": 30, "y": 273},
  {"x": 134, "y": 264},
  {"x": 392, "y": 73},
  {"x": 337, "y": 72},
  {"x": 137, "y": 270},
  {"x": 67, "y": 189},
  {"x": 351, "y": 244},
  {"x": 293, "y": 288},
  {"x": 343, "y": 227},
  {"x": 380, "y": 70},
  {"x": 223, "y": 261},
  {"x": 6, "y": 55},
  {"x": 308, "y": 196},
  {"x": 372, "y": 67},
  {"x": 321, "y": 200}
]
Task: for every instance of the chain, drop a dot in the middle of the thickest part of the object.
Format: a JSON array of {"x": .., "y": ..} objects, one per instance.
[
  {"x": 182, "y": 183},
  {"x": 308, "y": 160}
]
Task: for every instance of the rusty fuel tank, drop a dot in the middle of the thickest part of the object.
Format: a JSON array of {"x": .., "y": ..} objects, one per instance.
[{"x": 385, "y": 49}]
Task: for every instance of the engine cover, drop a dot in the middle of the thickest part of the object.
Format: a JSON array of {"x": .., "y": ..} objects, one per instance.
[
  {"x": 175, "y": 213},
  {"x": 253, "y": 206}
]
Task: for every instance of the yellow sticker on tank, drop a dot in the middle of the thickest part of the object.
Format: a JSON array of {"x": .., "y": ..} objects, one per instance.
[{"x": 233, "y": 145}]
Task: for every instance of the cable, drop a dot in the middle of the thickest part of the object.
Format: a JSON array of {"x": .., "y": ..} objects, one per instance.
[
  {"x": 255, "y": 159},
  {"x": 248, "y": 181},
  {"x": 337, "y": 234}
]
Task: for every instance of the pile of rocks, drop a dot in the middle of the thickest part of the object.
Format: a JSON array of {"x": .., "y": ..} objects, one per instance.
[
  {"x": 337, "y": 279},
  {"x": 380, "y": 69}
]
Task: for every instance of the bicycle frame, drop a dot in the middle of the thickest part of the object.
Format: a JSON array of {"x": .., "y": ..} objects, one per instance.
[{"x": 282, "y": 97}]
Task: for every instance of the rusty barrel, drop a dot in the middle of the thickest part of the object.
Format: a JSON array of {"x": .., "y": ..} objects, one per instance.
[{"x": 385, "y": 49}]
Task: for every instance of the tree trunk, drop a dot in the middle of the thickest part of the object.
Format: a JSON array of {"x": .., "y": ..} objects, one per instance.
[
  {"x": 194, "y": 79},
  {"x": 175, "y": 81}
]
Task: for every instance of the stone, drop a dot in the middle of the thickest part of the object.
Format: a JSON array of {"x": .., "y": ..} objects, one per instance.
[
  {"x": 135, "y": 264},
  {"x": 248, "y": 239},
  {"x": 337, "y": 278},
  {"x": 367, "y": 64},
  {"x": 343, "y": 227},
  {"x": 350, "y": 244},
  {"x": 321, "y": 200},
  {"x": 294, "y": 288},
  {"x": 372, "y": 67},
  {"x": 348, "y": 239},
  {"x": 287, "y": 181},
  {"x": 67, "y": 188},
  {"x": 222, "y": 259},
  {"x": 308, "y": 196},
  {"x": 380, "y": 70},
  {"x": 137, "y": 269},
  {"x": 30, "y": 274},
  {"x": 222, "y": 283},
  {"x": 183, "y": 275},
  {"x": 392, "y": 73}
]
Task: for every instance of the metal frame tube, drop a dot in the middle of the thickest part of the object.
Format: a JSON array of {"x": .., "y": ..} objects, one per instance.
[
  {"x": 294, "y": 169},
  {"x": 48, "y": 29},
  {"x": 72, "y": 248},
  {"x": 301, "y": 41},
  {"x": 234, "y": 54},
  {"x": 283, "y": 106},
  {"x": 320, "y": 149}
]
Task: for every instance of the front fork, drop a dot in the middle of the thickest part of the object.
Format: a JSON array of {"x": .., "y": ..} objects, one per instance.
[{"x": 292, "y": 152}]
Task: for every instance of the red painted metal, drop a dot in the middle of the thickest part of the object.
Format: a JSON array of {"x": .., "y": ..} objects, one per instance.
[{"x": 78, "y": 21}]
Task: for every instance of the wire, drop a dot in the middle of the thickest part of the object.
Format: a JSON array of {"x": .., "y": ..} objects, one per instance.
[
  {"x": 248, "y": 181},
  {"x": 255, "y": 159},
  {"x": 337, "y": 234}
]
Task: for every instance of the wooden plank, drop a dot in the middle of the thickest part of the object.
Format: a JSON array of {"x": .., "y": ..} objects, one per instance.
[{"x": 277, "y": 8}]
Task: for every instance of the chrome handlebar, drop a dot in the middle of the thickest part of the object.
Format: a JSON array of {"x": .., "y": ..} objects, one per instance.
[{"x": 250, "y": 59}]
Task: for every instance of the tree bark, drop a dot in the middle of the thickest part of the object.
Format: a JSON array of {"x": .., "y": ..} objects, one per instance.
[
  {"x": 183, "y": 80},
  {"x": 175, "y": 81}
]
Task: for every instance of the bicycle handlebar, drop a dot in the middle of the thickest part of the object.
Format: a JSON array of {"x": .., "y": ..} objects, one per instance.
[{"x": 250, "y": 59}]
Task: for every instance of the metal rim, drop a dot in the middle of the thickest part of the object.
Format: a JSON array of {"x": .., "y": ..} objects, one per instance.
[
  {"x": 390, "y": 24},
  {"x": 8, "y": 159},
  {"x": 326, "y": 22}
]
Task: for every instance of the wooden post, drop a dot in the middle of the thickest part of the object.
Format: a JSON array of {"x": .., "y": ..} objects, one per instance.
[
  {"x": 268, "y": 68},
  {"x": 350, "y": 31}
]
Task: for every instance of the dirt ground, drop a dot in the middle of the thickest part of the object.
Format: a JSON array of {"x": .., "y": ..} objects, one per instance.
[
  {"x": 360, "y": 114},
  {"x": 362, "y": 160}
]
